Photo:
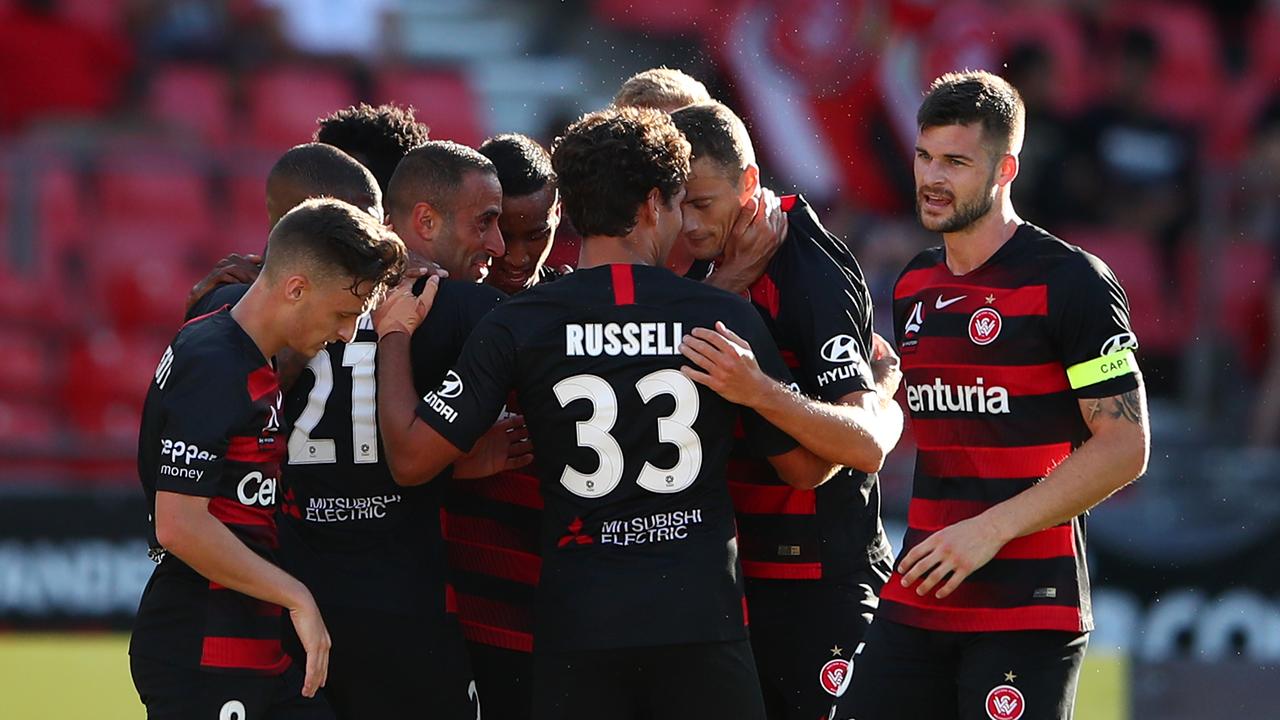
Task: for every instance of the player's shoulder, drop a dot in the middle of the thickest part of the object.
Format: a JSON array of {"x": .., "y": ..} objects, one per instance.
[
  {"x": 209, "y": 349},
  {"x": 1061, "y": 261},
  {"x": 216, "y": 298},
  {"x": 466, "y": 294},
  {"x": 926, "y": 259}
]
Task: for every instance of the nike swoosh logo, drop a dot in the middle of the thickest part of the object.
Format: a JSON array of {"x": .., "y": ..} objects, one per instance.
[{"x": 939, "y": 303}]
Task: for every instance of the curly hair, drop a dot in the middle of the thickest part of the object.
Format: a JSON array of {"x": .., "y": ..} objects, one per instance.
[
  {"x": 376, "y": 136},
  {"x": 523, "y": 166},
  {"x": 609, "y": 161}
]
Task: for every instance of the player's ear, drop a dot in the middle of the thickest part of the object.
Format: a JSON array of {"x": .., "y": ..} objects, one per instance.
[
  {"x": 295, "y": 286},
  {"x": 1007, "y": 169},
  {"x": 426, "y": 220},
  {"x": 652, "y": 208},
  {"x": 749, "y": 183}
]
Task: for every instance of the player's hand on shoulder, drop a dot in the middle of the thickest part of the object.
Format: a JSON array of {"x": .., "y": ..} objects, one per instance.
[
  {"x": 725, "y": 362},
  {"x": 234, "y": 268},
  {"x": 886, "y": 367},
  {"x": 403, "y": 307},
  {"x": 506, "y": 446}
]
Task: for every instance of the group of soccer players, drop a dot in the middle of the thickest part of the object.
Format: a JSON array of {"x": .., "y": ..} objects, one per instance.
[{"x": 644, "y": 487}]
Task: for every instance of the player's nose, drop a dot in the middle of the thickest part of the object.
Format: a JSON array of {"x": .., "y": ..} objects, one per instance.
[{"x": 494, "y": 244}]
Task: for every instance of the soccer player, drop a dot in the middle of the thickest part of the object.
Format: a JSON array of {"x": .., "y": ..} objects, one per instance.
[
  {"x": 378, "y": 137},
  {"x": 305, "y": 171},
  {"x": 814, "y": 559},
  {"x": 491, "y": 525},
  {"x": 1028, "y": 410},
  {"x": 639, "y": 605},
  {"x": 370, "y": 550},
  {"x": 206, "y": 642}
]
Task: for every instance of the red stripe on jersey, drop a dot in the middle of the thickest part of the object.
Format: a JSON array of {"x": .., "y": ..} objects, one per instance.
[
  {"x": 764, "y": 292},
  {"x": 248, "y": 450},
  {"x": 1033, "y": 461},
  {"x": 788, "y": 202},
  {"x": 484, "y": 531},
  {"x": 750, "y": 470},
  {"x": 902, "y": 605},
  {"x": 1019, "y": 380},
  {"x": 263, "y": 382},
  {"x": 231, "y": 512},
  {"x": 494, "y": 561},
  {"x": 450, "y": 599},
  {"x": 497, "y": 637},
  {"x": 913, "y": 282},
  {"x": 781, "y": 571},
  {"x": 511, "y": 487},
  {"x": 265, "y": 656},
  {"x": 755, "y": 499},
  {"x": 961, "y": 299},
  {"x": 933, "y": 433},
  {"x": 198, "y": 318},
  {"x": 624, "y": 286},
  {"x": 746, "y": 616},
  {"x": 933, "y": 515},
  {"x": 791, "y": 359},
  {"x": 1051, "y": 542}
]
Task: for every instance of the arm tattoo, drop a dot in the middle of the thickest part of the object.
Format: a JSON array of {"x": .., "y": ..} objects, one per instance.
[{"x": 1127, "y": 406}]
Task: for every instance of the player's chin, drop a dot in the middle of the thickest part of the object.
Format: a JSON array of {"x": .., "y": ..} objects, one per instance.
[{"x": 934, "y": 220}]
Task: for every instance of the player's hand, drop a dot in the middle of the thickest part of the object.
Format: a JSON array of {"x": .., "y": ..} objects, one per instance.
[
  {"x": 401, "y": 310},
  {"x": 950, "y": 555},
  {"x": 728, "y": 364},
  {"x": 886, "y": 368},
  {"x": 234, "y": 268},
  {"x": 506, "y": 446},
  {"x": 314, "y": 637},
  {"x": 755, "y": 236}
]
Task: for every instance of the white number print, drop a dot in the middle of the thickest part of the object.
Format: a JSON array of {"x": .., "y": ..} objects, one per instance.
[
  {"x": 233, "y": 710},
  {"x": 474, "y": 696},
  {"x": 306, "y": 450},
  {"x": 676, "y": 429},
  {"x": 593, "y": 433}
]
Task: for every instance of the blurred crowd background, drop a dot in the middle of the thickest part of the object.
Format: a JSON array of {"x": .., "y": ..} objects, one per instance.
[{"x": 135, "y": 136}]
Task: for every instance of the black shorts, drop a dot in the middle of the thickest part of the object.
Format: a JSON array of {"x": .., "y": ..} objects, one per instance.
[
  {"x": 804, "y": 634},
  {"x": 669, "y": 682},
  {"x": 505, "y": 680},
  {"x": 171, "y": 692},
  {"x": 384, "y": 665},
  {"x": 905, "y": 673}
]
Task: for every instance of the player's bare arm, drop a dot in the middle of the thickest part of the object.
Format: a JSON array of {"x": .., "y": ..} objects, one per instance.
[
  {"x": 1113, "y": 457},
  {"x": 234, "y": 268},
  {"x": 185, "y": 528},
  {"x": 757, "y": 233},
  {"x": 505, "y": 447},
  {"x": 858, "y": 432}
]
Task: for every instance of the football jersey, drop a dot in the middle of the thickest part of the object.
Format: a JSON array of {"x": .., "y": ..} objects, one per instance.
[
  {"x": 638, "y": 542},
  {"x": 228, "y": 294},
  {"x": 348, "y": 531},
  {"x": 210, "y": 428},
  {"x": 815, "y": 302},
  {"x": 491, "y": 533},
  {"x": 994, "y": 365}
]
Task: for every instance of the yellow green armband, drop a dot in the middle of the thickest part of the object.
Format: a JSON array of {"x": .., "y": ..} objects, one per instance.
[{"x": 1102, "y": 369}]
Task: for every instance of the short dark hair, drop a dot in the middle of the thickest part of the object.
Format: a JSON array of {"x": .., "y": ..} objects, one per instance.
[
  {"x": 433, "y": 173},
  {"x": 976, "y": 96},
  {"x": 661, "y": 88},
  {"x": 324, "y": 170},
  {"x": 378, "y": 136},
  {"x": 524, "y": 167},
  {"x": 339, "y": 240},
  {"x": 609, "y": 161},
  {"x": 715, "y": 132}
]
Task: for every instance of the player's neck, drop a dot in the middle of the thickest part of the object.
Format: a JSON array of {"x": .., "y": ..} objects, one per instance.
[
  {"x": 968, "y": 249},
  {"x": 255, "y": 314},
  {"x": 607, "y": 250}
]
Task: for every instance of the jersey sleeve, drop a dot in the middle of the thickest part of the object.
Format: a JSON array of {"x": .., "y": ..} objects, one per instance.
[
  {"x": 437, "y": 343},
  {"x": 473, "y": 393},
  {"x": 204, "y": 404},
  {"x": 833, "y": 328},
  {"x": 1089, "y": 324},
  {"x": 764, "y": 439}
]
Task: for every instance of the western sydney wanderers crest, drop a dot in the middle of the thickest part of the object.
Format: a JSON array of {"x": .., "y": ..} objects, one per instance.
[
  {"x": 1005, "y": 702},
  {"x": 984, "y": 326},
  {"x": 833, "y": 676}
]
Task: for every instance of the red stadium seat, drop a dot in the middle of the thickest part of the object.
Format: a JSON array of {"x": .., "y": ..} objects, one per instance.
[
  {"x": 26, "y": 424},
  {"x": 1052, "y": 28},
  {"x": 102, "y": 15},
  {"x": 1157, "y": 316},
  {"x": 1245, "y": 274},
  {"x": 247, "y": 215},
  {"x": 444, "y": 100},
  {"x": 1264, "y": 42},
  {"x": 151, "y": 206},
  {"x": 29, "y": 363},
  {"x": 193, "y": 97},
  {"x": 285, "y": 102},
  {"x": 1190, "y": 78},
  {"x": 110, "y": 408}
]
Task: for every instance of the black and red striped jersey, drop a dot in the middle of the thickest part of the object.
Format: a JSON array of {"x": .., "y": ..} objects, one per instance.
[
  {"x": 815, "y": 302},
  {"x": 994, "y": 363},
  {"x": 211, "y": 428},
  {"x": 347, "y": 530},
  {"x": 491, "y": 530},
  {"x": 637, "y": 538}
]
